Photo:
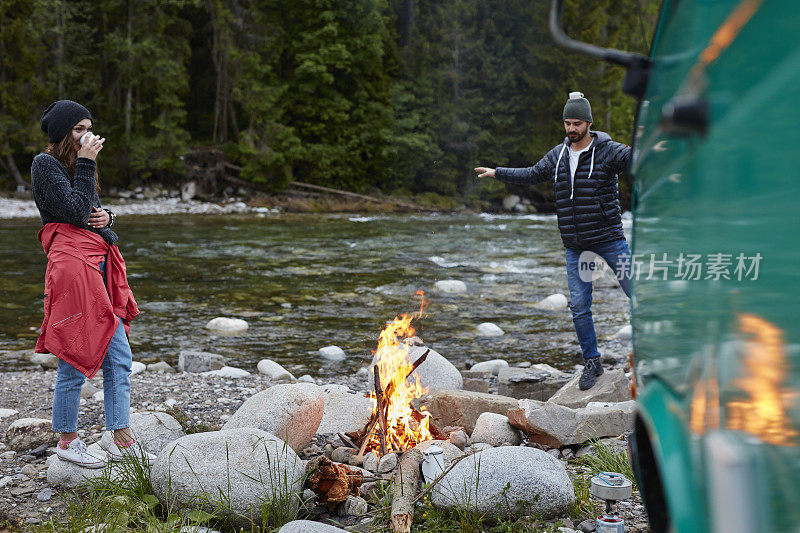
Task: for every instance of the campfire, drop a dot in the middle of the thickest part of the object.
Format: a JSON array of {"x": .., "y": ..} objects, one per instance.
[{"x": 395, "y": 425}]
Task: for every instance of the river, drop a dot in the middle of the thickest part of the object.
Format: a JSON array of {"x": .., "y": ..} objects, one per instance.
[{"x": 304, "y": 281}]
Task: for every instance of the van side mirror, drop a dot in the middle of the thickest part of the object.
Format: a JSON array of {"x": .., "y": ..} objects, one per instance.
[{"x": 637, "y": 66}]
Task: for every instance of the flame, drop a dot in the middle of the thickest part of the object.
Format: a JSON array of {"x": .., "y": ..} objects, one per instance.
[
  {"x": 405, "y": 427},
  {"x": 764, "y": 412}
]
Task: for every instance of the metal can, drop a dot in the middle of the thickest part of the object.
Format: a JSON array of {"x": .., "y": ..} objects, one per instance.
[{"x": 610, "y": 524}]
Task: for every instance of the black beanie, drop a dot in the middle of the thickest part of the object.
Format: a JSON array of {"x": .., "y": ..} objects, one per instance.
[
  {"x": 578, "y": 108},
  {"x": 61, "y": 117}
]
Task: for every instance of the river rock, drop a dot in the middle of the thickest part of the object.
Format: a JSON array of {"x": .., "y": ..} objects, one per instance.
[
  {"x": 494, "y": 429},
  {"x": 489, "y": 329},
  {"x": 507, "y": 482},
  {"x": 612, "y": 386},
  {"x": 370, "y": 461},
  {"x": 28, "y": 433},
  {"x": 137, "y": 367},
  {"x": 332, "y": 353},
  {"x": 494, "y": 366},
  {"x": 344, "y": 411},
  {"x": 353, "y": 506},
  {"x": 154, "y": 430},
  {"x": 188, "y": 190},
  {"x": 624, "y": 333},
  {"x": 462, "y": 408},
  {"x": 435, "y": 373},
  {"x": 536, "y": 382},
  {"x": 228, "y": 372},
  {"x": 450, "y": 286},
  {"x": 71, "y": 475},
  {"x": 387, "y": 463},
  {"x": 557, "y": 426},
  {"x": 553, "y": 302},
  {"x": 292, "y": 412},
  {"x": 7, "y": 412},
  {"x": 161, "y": 366},
  {"x": 510, "y": 202},
  {"x": 47, "y": 361},
  {"x": 245, "y": 466},
  {"x": 226, "y": 326},
  {"x": 196, "y": 361},
  {"x": 309, "y": 526},
  {"x": 275, "y": 371}
]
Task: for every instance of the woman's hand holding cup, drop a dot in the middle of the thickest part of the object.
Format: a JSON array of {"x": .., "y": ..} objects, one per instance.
[{"x": 91, "y": 145}]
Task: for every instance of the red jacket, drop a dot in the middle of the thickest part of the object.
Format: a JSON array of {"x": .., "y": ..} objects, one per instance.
[{"x": 79, "y": 311}]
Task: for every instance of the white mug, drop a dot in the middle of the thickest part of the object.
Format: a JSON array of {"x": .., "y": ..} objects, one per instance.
[{"x": 87, "y": 137}]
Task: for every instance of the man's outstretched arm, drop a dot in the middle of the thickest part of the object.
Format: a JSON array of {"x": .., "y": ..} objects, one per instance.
[{"x": 538, "y": 173}]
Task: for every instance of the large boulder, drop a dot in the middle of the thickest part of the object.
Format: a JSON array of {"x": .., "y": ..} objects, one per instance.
[
  {"x": 245, "y": 468},
  {"x": 154, "y": 430},
  {"x": 462, "y": 408},
  {"x": 71, "y": 475},
  {"x": 507, "y": 482},
  {"x": 494, "y": 429},
  {"x": 556, "y": 426},
  {"x": 197, "y": 361},
  {"x": 435, "y": 372},
  {"x": 309, "y": 526},
  {"x": 536, "y": 383},
  {"x": 344, "y": 411},
  {"x": 293, "y": 412},
  {"x": 28, "y": 433},
  {"x": 612, "y": 386}
]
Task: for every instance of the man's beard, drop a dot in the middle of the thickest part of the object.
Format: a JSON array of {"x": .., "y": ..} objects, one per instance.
[{"x": 577, "y": 136}]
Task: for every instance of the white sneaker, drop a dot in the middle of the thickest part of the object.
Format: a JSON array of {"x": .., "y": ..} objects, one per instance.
[
  {"x": 77, "y": 453},
  {"x": 133, "y": 452}
]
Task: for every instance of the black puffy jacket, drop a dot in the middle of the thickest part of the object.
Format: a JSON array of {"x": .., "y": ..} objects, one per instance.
[{"x": 590, "y": 213}]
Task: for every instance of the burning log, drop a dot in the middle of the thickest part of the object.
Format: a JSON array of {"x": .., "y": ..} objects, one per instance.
[
  {"x": 404, "y": 490},
  {"x": 332, "y": 482},
  {"x": 379, "y": 411}
]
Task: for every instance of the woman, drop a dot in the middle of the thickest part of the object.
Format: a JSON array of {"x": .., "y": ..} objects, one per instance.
[{"x": 88, "y": 304}]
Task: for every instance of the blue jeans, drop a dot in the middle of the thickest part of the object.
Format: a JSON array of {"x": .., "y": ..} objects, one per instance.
[
  {"x": 116, "y": 386},
  {"x": 617, "y": 255}
]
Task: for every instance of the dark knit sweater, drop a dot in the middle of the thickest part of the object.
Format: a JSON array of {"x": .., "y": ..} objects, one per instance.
[{"x": 64, "y": 198}]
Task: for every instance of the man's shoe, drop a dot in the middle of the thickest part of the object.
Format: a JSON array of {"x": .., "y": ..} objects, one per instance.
[
  {"x": 78, "y": 454},
  {"x": 133, "y": 452},
  {"x": 591, "y": 370}
]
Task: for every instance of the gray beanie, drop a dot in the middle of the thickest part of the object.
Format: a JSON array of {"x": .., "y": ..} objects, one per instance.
[
  {"x": 61, "y": 117},
  {"x": 578, "y": 108}
]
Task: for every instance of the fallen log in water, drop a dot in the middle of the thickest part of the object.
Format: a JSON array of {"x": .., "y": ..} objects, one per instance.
[{"x": 404, "y": 491}]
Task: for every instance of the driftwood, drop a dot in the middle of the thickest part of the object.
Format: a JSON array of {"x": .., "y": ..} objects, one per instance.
[
  {"x": 404, "y": 491},
  {"x": 332, "y": 482},
  {"x": 310, "y": 186}
]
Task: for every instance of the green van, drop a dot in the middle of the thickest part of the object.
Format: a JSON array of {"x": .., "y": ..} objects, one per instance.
[{"x": 716, "y": 264}]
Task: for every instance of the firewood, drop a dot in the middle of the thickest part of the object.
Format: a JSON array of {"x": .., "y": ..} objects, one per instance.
[
  {"x": 382, "y": 430},
  {"x": 404, "y": 489}
]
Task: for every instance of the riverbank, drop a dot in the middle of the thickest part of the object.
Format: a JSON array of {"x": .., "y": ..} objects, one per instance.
[
  {"x": 205, "y": 402},
  {"x": 151, "y": 201}
]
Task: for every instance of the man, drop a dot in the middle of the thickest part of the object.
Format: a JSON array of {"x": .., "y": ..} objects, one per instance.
[{"x": 584, "y": 171}]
